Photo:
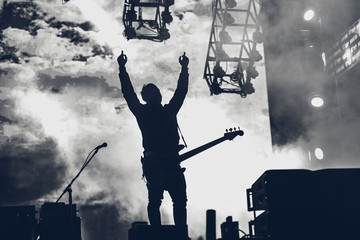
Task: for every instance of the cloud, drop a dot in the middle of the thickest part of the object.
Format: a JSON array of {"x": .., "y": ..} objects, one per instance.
[
  {"x": 92, "y": 86},
  {"x": 28, "y": 171},
  {"x": 37, "y": 34},
  {"x": 197, "y": 7}
]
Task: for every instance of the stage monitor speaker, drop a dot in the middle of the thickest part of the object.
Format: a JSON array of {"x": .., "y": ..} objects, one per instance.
[
  {"x": 303, "y": 204},
  {"x": 281, "y": 189},
  {"x": 309, "y": 224},
  {"x": 143, "y": 231},
  {"x": 59, "y": 221},
  {"x": 298, "y": 189},
  {"x": 337, "y": 188},
  {"x": 17, "y": 222}
]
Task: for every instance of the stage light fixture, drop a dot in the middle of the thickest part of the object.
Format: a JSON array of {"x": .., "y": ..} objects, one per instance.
[
  {"x": 319, "y": 154},
  {"x": 215, "y": 88},
  {"x": 258, "y": 37},
  {"x": 309, "y": 15},
  {"x": 317, "y": 101},
  {"x": 251, "y": 72},
  {"x": 129, "y": 33},
  {"x": 221, "y": 54},
  {"x": 255, "y": 55},
  {"x": 218, "y": 71},
  {"x": 131, "y": 15},
  {"x": 225, "y": 37},
  {"x": 230, "y": 3},
  {"x": 164, "y": 33},
  {"x": 248, "y": 88},
  {"x": 166, "y": 16},
  {"x": 228, "y": 19},
  {"x": 237, "y": 76}
]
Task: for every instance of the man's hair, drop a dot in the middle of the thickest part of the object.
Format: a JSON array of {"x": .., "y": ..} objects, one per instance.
[{"x": 150, "y": 93}]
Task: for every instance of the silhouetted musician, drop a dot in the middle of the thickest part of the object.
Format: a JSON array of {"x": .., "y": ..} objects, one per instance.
[{"x": 159, "y": 129}]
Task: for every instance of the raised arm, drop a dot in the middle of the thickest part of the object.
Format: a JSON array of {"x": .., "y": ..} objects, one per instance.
[
  {"x": 182, "y": 85},
  {"x": 126, "y": 87}
]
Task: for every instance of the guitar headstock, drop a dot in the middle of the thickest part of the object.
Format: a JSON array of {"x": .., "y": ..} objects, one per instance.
[{"x": 231, "y": 133}]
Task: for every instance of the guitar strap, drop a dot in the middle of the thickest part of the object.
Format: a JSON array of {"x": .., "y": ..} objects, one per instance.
[{"x": 182, "y": 137}]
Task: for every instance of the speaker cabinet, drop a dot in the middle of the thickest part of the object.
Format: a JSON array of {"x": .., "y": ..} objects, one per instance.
[
  {"x": 304, "y": 204},
  {"x": 17, "y": 222},
  {"x": 58, "y": 221}
]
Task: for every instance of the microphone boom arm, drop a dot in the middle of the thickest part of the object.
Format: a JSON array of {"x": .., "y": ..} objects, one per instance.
[{"x": 68, "y": 188}]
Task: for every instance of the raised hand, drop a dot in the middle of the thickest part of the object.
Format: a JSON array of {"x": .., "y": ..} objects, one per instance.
[
  {"x": 122, "y": 59},
  {"x": 183, "y": 60}
]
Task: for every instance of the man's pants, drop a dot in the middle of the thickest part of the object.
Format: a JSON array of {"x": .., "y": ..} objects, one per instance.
[{"x": 176, "y": 186}]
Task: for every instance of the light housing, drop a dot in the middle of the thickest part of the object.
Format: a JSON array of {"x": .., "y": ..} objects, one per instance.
[
  {"x": 258, "y": 37},
  {"x": 166, "y": 16},
  {"x": 317, "y": 101},
  {"x": 228, "y": 19},
  {"x": 164, "y": 33},
  {"x": 319, "y": 153},
  {"x": 251, "y": 72},
  {"x": 129, "y": 33},
  {"x": 309, "y": 15},
  {"x": 230, "y": 3},
  {"x": 218, "y": 71},
  {"x": 225, "y": 37}
]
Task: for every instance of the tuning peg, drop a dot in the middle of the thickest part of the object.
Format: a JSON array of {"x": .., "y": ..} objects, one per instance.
[
  {"x": 226, "y": 130},
  {"x": 230, "y": 129}
]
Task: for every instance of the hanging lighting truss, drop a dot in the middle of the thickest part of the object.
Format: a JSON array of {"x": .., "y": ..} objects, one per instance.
[
  {"x": 147, "y": 19},
  {"x": 232, "y": 53}
]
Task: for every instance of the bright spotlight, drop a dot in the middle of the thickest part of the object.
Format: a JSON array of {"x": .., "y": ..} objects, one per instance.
[
  {"x": 317, "y": 101},
  {"x": 319, "y": 154},
  {"x": 309, "y": 14}
]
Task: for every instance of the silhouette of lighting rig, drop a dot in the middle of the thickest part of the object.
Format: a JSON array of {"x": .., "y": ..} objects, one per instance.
[
  {"x": 147, "y": 19},
  {"x": 236, "y": 31},
  {"x": 345, "y": 51}
]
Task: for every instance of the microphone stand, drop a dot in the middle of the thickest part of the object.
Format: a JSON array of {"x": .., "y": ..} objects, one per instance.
[{"x": 69, "y": 190}]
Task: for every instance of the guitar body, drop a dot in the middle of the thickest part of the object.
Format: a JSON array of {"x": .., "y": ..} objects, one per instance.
[{"x": 158, "y": 168}]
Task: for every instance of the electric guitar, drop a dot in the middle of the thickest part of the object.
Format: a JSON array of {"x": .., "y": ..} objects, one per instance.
[{"x": 157, "y": 167}]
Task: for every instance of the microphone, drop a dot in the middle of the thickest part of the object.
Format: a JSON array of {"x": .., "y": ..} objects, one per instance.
[{"x": 101, "y": 146}]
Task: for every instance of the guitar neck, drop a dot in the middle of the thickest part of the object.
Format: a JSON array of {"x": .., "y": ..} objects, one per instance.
[{"x": 200, "y": 149}]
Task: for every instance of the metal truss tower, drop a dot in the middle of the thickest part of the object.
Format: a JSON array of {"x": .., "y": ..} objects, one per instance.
[
  {"x": 147, "y": 19},
  {"x": 232, "y": 51}
]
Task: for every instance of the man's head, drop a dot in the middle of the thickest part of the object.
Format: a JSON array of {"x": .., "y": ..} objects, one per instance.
[{"x": 150, "y": 93}]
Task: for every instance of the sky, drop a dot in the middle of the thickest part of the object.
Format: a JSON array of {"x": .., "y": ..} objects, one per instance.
[{"x": 60, "y": 98}]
